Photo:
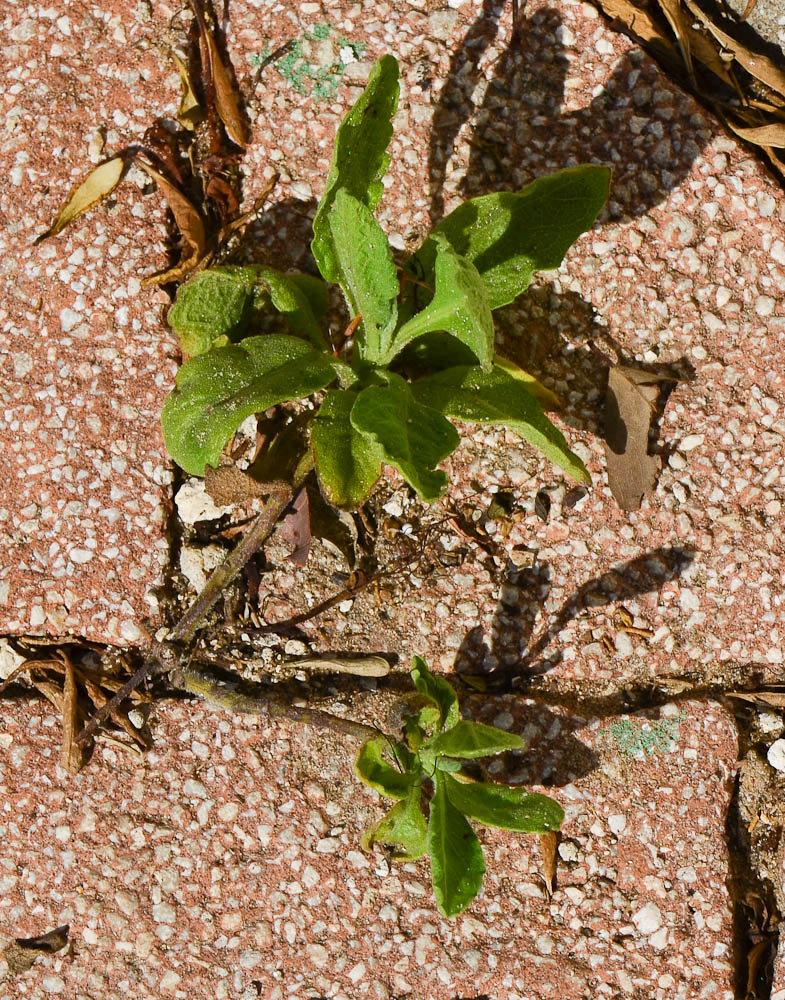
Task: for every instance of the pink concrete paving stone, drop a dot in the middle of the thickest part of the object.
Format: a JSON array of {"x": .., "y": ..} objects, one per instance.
[
  {"x": 226, "y": 864},
  {"x": 84, "y": 360}
]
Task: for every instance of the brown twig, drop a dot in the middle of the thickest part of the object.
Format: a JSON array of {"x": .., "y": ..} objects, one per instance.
[{"x": 165, "y": 656}]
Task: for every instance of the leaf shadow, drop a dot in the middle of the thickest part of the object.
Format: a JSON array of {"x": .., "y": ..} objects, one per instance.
[
  {"x": 517, "y": 651},
  {"x": 527, "y": 125}
]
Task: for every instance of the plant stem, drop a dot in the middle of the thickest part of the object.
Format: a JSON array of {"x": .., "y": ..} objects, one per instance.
[{"x": 268, "y": 705}]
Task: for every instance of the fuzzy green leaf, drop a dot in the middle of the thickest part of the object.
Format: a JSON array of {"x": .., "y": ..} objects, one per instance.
[
  {"x": 457, "y": 864},
  {"x": 216, "y": 391},
  {"x": 366, "y": 273},
  {"x": 348, "y": 463},
  {"x": 288, "y": 295},
  {"x": 460, "y": 307},
  {"x": 371, "y": 768},
  {"x": 315, "y": 291},
  {"x": 470, "y": 394},
  {"x": 510, "y": 236},
  {"x": 213, "y": 304},
  {"x": 472, "y": 739},
  {"x": 403, "y": 828},
  {"x": 440, "y": 691},
  {"x": 505, "y": 806},
  {"x": 360, "y": 157},
  {"x": 413, "y": 436}
]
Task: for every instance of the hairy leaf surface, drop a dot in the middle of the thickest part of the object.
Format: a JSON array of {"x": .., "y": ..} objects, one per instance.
[
  {"x": 508, "y": 807},
  {"x": 457, "y": 864},
  {"x": 348, "y": 462}
]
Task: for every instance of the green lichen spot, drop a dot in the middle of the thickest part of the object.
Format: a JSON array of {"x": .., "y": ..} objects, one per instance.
[{"x": 644, "y": 739}]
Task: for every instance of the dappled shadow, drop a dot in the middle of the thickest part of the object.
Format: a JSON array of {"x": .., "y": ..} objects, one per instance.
[{"x": 530, "y": 124}]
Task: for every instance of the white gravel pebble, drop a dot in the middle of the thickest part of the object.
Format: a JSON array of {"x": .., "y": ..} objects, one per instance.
[{"x": 776, "y": 755}]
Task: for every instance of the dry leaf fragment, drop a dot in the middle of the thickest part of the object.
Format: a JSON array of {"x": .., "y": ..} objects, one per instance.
[
  {"x": 362, "y": 666},
  {"x": 22, "y": 952},
  {"x": 98, "y": 184},
  {"x": 70, "y": 752},
  {"x": 629, "y": 402},
  {"x": 189, "y": 222},
  {"x": 548, "y": 844},
  {"x": 776, "y": 699},
  {"x": 295, "y": 529},
  {"x": 189, "y": 114},
  {"x": 763, "y": 135}
]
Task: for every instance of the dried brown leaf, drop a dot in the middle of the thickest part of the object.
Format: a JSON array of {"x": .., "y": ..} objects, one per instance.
[
  {"x": 22, "y": 952},
  {"x": 98, "y": 184},
  {"x": 295, "y": 529},
  {"x": 190, "y": 113},
  {"x": 70, "y": 751},
  {"x": 548, "y": 844},
  {"x": 227, "y": 485},
  {"x": 757, "y": 65},
  {"x": 772, "y": 136},
  {"x": 226, "y": 98},
  {"x": 629, "y": 402},
  {"x": 189, "y": 222},
  {"x": 674, "y": 15},
  {"x": 776, "y": 699}
]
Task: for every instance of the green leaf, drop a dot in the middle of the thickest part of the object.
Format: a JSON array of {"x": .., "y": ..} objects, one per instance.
[
  {"x": 366, "y": 273},
  {"x": 457, "y": 864},
  {"x": 348, "y": 463},
  {"x": 288, "y": 296},
  {"x": 473, "y": 739},
  {"x": 403, "y": 828},
  {"x": 371, "y": 768},
  {"x": 460, "y": 306},
  {"x": 504, "y": 806},
  {"x": 360, "y": 157},
  {"x": 510, "y": 236},
  {"x": 216, "y": 391},
  {"x": 468, "y": 393},
  {"x": 213, "y": 304},
  {"x": 440, "y": 691},
  {"x": 414, "y": 437},
  {"x": 315, "y": 291}
]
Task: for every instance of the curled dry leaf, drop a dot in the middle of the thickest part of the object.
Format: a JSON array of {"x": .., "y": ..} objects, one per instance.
[
  {"x": 629, "y": 403},
  {"x": 548, "y": 844},
  {"x": 98, "y": 184},
  {"x": 189, "y": 222}
]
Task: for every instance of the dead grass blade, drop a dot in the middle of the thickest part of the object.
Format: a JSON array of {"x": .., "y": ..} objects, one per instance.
[
  {"x": 98, "y": 184},
  {"x": 548, "y": 844},
  {"x": 776, "y": 699},
  {"x": 362, "y": 666},
  {"x": 189, "y": 222},
  {"x": 675, "y": 18},
  {"x": 71, "y": 758}
]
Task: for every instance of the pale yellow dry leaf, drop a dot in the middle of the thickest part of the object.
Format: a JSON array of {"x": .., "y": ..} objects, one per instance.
[
  {"x": 98, "y": 184},
  {"x": 189, "y": 114},
  {"x": 772, "y": 136}
]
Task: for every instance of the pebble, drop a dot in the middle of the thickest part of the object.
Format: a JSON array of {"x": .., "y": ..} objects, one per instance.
[{"x": 776, "y": 755}]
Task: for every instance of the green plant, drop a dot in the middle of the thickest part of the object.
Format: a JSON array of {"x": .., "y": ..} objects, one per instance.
[
  {"x": 419, "y": 351},
  {"x": 426, "y": 767}
]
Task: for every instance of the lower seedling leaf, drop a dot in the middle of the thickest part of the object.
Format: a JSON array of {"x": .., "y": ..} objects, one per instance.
[
  {"x": 371, "y": 768},
  {"x": 468, "y": 393},
  {"x": 413, "y": 436},
  {"x": 212, "y": 304},
  {"x": 348, "y": 463},
  {"x": 215, "y": 392},
  {"x": 507, "y": 807},
  {"x": 403, "y": 828},
  {"x": 457, "y": 864}
]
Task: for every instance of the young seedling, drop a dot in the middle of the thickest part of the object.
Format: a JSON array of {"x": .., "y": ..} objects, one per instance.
[
  {"x": 424, "y": 773},
  {"x": 419, "y": 351}
]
